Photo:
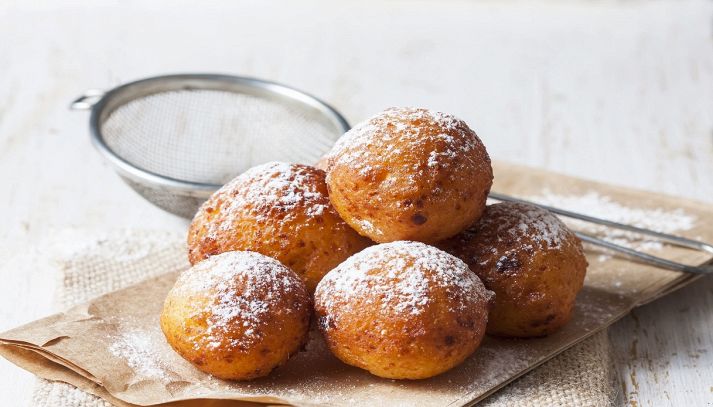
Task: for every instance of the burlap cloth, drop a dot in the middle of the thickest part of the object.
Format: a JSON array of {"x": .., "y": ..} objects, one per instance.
[{"x": 90, "y": 266}]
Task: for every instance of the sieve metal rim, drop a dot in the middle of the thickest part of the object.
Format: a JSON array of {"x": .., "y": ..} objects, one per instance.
[{"x": 120, "y": 95}]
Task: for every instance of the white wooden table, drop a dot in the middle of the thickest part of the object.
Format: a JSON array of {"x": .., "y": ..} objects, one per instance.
[{"x": 619, "y": 92}]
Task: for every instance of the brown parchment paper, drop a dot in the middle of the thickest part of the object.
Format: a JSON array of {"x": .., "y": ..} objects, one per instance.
[{"x": 76, "y": 346}]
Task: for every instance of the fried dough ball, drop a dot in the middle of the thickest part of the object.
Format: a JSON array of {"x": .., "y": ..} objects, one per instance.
[
  {"x": 532, "y": 262},
  {"x": 409, "y": 174},
  {"x": 237, "y": 315},
  {"x": 402, "y": 310},
  {"x": 280, "y": 210}
]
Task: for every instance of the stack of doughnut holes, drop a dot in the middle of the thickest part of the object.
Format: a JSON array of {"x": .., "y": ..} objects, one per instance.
[{"x": 387, "y": 244}]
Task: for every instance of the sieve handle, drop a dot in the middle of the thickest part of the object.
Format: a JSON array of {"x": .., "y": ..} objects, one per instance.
[{"x": 87, "y": 100}]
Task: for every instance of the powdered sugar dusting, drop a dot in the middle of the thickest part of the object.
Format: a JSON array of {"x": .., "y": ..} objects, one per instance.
[
  {"x": 369, "y": 227},
  {"x": 245, "y": 288},
  {"x": 274, "y": 187},
  {"x": 138, "y": 349},
  {"x": 600, "y": 206},
  {"x": 409, "y": 128},
  {"x": 525, "y": 227},
  {"x": 400, "y": 275},
  {"x": 536, "y": 223}
]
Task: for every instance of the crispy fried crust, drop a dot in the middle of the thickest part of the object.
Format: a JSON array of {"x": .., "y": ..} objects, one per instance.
[
  {"x": 282, "y": 211},
  {"x": 398, "y": 321},
  {"x": 409, "y": 174},
  {"x": 237, "y": 323},
  {"x": 533, "y": 263}
]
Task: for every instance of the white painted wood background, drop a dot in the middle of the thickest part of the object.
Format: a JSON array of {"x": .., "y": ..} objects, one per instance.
[{"x": 620, "y": 92}]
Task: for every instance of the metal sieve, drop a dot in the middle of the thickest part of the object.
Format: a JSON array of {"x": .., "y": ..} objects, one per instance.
[{"x": 175, "y": 139}]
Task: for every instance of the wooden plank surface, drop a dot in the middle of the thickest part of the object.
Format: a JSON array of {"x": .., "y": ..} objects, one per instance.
[{"x": 620, "y": 92}]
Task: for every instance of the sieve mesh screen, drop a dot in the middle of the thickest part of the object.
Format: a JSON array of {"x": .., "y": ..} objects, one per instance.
[{"x": 211, "y": 136}]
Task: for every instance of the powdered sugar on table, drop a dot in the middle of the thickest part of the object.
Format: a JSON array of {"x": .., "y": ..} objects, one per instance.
[{"x": 138, "y": 349}]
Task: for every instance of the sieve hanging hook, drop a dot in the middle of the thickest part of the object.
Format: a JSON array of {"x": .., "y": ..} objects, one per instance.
[{"x": 87, "y": 100}]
